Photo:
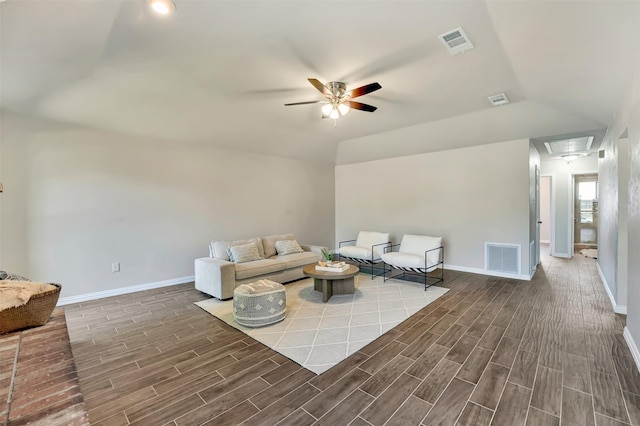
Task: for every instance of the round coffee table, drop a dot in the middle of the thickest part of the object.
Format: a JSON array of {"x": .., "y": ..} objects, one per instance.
[{"x": 330, "y": 283}]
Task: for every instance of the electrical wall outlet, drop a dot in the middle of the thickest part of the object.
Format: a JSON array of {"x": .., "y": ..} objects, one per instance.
[{"x": 115, "y": 267}]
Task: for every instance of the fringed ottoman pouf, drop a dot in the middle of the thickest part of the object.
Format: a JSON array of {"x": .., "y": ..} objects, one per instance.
[{"x": 260, "y": 303}]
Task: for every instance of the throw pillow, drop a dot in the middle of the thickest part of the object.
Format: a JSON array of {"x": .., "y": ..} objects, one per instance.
[
  {"x": 4, "y": 275},
  {"x": 288, "y": 247},
  {"x": 244, "y": 253},
  {"x": 269, "y": 243}
]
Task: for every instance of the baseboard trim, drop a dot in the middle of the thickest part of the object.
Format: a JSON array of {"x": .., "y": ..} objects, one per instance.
[
  {"x": 618, "y": 309},
  {"x": 632, "y": 346},
  {"x": 123, "y": 290},
  {"x": 485, "y": 272}
]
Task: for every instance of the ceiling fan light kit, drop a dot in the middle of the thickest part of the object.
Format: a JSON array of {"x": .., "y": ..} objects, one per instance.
[
  {"x": 338, "y": 100},
  {"x": 334, "y": 111}
]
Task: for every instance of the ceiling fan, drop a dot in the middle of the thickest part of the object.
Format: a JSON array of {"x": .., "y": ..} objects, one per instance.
[{"x": 338, "y": 100}]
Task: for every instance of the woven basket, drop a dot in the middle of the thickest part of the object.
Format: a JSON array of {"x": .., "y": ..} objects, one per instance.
[{"x": 34, "y": 313}]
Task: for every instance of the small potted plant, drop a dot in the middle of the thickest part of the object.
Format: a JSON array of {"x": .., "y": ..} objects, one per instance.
[{"x": 328, "y": 257}]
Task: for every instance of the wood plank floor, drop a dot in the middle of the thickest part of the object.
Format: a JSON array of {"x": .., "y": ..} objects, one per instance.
[{"x": 491, "y": 351}]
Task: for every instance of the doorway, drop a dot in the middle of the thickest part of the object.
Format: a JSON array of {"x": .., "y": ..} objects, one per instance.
[
  {"x": 585, "y": 229},
  {"x": 545, "y": 210}
]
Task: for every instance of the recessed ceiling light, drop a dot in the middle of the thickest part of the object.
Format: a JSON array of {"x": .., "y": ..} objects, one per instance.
[{"x": 162, "y": 7}]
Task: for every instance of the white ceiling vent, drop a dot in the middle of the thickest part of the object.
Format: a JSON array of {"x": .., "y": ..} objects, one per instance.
[
  {"x": 456, "y": 41},
  {"x": 499, "y": 99}
]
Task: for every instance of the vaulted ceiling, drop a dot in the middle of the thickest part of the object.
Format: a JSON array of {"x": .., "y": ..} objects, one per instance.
[{"x": 220, "y": 72}]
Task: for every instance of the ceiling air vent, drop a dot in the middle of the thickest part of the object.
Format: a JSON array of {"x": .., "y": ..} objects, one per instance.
[
  {"x": 499, "y": 99},
  {"x": 456, "y": 41}
]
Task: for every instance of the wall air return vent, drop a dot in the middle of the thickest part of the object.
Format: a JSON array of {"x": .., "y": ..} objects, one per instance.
[
  {"x": 499, "y": 99},
  {"x": 502, "y": 258},
  {"x": 456, "y": 41}
]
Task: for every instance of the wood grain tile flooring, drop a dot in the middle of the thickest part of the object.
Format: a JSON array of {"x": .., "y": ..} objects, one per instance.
[{"x": 491, "y": 351}]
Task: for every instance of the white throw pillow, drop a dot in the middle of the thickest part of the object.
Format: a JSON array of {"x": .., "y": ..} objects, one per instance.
[
  {"x": 269, "y": 243},
  {"x": 288, "y": 247},
  {"x": 244, "y": 253}
]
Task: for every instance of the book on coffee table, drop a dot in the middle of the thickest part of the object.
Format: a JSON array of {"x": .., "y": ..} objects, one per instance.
[{"x": 339, "y": 267}]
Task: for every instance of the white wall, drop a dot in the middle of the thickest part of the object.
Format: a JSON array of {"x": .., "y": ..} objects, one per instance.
[
  {"x": 78, "y": 199},
  {"x": 468, "y": 196},
  {"x": 623, "y": 207},
  {"x": 561, "y": 174},
  {"x": 534, "y": 247},
  {"x": 545, "y": 209},
  {"x": 626, "y": 121}
]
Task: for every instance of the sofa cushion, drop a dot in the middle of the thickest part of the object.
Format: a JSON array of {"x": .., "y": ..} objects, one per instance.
[
  {"x": 299, "y": 259},
  {"x": 269, "y": 243},
  {"x": 220, "y": 249},
  {"x": 258, "y": 267},
  {"x": 244, "y": 253},
  {"x": 288, "y": 247}
]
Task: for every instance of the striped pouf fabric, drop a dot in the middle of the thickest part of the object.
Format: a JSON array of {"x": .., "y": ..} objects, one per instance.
[{"x": 260, "y": 303}]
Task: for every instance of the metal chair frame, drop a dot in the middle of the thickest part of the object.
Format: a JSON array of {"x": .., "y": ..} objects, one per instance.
[
  {"x": 420, "y": 273},
  {"x": 363, "y": 263}
]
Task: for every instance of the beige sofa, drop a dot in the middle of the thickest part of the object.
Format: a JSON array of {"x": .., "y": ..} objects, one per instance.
[{"x": 218, "y": 276}]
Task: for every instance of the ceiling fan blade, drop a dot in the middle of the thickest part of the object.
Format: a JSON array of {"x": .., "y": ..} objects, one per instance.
[
  {"x": 318, "y": 85},
  {"x": 363, "y": 90},
  {"x": 360, "y": 106},
  {"x": 303, "y": 103}
]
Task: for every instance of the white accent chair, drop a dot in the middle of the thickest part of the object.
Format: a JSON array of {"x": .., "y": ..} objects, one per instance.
[
  {"x": 415, "y": 256},
  {"x": 366, "y": 250}
]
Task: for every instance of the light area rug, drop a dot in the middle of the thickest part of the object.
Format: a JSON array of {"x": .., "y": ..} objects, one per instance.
[
  {"x": 319, "y": 335},
  {"x": 592, "y": 253}
]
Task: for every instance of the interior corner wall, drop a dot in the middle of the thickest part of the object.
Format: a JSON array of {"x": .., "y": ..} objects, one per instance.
[
  {"x": 534, "y": 169},
  {"x": 633, "y": 216},
  {"x": 13, "y": 221},
  {"x": 627, "y": 118},
  {"x": 468, "y": 196},
  {"x": 545, "y": 209},
  {"x": 623, "y": 209},
  {"x": 608, "y": 175},
  {"x": 561, "y": 174},
  {"x": 78, "y": 200}
]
